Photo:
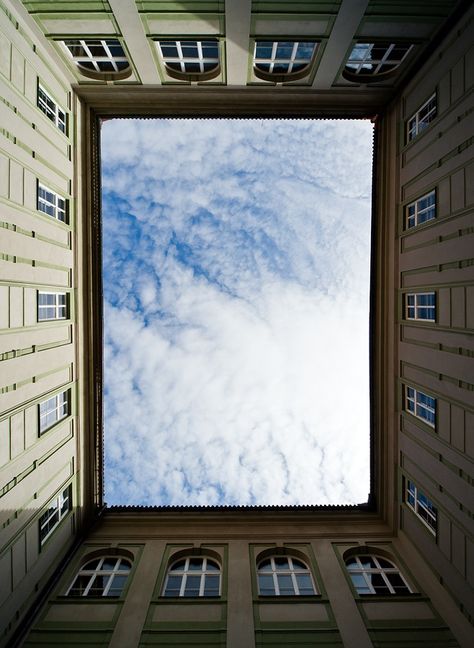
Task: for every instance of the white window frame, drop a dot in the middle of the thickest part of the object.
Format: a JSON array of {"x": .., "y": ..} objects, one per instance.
[
  {"x": 183, "y": 60},
  {"x": 97, "y": 60},
  {"x": 292, "y": 571},
  {"x": 415, "y": 125},
  {"x": 185, "y": 572},
  {"x": 60, "y": 310},
  {"x": 412, "y": 492},
  {"x": 58, "y": 508},
  {"x": 414, "y": 400},
  {"x": 359, "y": 65},
  {"x": 416, "y": 306},
  {"x": 418, "y": 211},
  {"x": 291, "y": 61},
  {"x": 101, "y": 572},
  {"x": 54, "y": 113},
  {"x": 59, "y": 405},
  {"x": 382, "y": 571},
  {"x": 59, "y": 213}
]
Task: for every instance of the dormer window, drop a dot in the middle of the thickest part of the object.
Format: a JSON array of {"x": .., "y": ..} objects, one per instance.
[
  {"x": 99, "y": 58},
  {"x": 191, "y": 60},
  {"x": 371, "y": 62},
  {"x": 280, "y": 61}
]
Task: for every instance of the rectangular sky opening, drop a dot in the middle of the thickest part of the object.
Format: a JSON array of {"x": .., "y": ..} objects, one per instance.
[{"x": 236, "y": 279}]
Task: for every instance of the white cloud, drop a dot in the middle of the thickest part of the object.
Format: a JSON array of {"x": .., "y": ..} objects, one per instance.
[{"x": 236, "y": 258}]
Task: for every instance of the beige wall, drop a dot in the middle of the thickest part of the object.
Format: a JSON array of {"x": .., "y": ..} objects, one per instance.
[
  {"x": 436, "y": 358},
  {"x": 37, "y": 359}
]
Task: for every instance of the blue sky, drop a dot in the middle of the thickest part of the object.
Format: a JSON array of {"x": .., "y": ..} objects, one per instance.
[{"x": 236, "y": 296}]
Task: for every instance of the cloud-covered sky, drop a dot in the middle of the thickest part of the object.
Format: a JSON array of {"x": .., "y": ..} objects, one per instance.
[{"x": 236, "y": 301}]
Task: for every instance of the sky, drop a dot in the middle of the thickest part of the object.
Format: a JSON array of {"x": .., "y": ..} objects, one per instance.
[{"x": 236, "y": 260}]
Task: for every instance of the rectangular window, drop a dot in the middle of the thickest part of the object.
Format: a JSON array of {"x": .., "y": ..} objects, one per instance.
[
  {"x": 53, "y": 410},
  {"x": 423, "y": 116},
  {"x": 421, "y": 210},
  {"x": 52, "y": 306},
  {"x": 421, "y": 506},
  {"x": 420, "y": 306},
  {"x": 51, "y": 203},
  {"x": 51, "y": 109},
  {"x": 420, "y": 405},
  {"x": 57, "y": 510}
]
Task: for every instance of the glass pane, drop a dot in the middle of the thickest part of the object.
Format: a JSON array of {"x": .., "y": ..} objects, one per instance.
[
  {"x": 212, "y": 566},
  {"x": 281, "y": 563},
  {"x": 124, "y": 565},
  {"x": 117, "y": 585},
  {"x": 265, "y": 585},
  {"x": 285, "y": 585},
  {"x": 179, "y": 566},
  {"x": 360, "y": 584},
  {"x": 297, "y": 564},
  {"x": 386, "y": 564},
  {"x": 305, "y": 585},
  {"x": 170, "y": 51},
  {"x": 211, "y": 585},
  {"x": 265, "y": 565},
  {"x": 92, "y": 564},
  {"x": 192, "y": 586},
  {"x": 367, "y": 562},
  {"x": 378, "y": 584},
  {"x": 173, "y": 586},
  {"x": 195, "y": 564}
]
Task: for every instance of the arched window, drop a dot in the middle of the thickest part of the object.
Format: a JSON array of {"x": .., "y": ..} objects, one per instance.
[
  {"x": 280, "y": 61},
  {"x": 99, "y": 58},
  {"x": 284, "y": 576},
  {"x": 376, "y": 575},
  {"x": 193, "y": 576},
  {"x": 101, "y": 576},
  {"x": 374, "y": 61},
  {"x": 190, "y": 59}
]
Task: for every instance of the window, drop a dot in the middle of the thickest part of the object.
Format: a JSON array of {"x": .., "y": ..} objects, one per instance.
[
  {"x": 421, "y": 210},
  {"x": 284, "y": 576},
  {"x": 104, "y": 576},
  {"x": 52, "y": 306},
  {"x": 282, "y": 60},
  {"x": 420, "y": 306},
  {"x": 51, "y": 109},
  {"x": 370, "y": 60},
  {"x": 185, "y": 58},
  {"x": 98, "y": 56},
  {"x": 53, "y": 410},
  {"x": 421, "y": 506},
  {"x": 420, "y": 405},
  {"x": 51, "y": 203},
  {"x": 192, "y": 577},
  {"x": 375, "y": 575},
  {"x": 57, "y": 511},
  {"x": 420, "y": 120}
]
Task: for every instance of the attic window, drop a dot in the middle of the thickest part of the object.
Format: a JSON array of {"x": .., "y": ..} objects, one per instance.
[
  {"x": 191, "y": 60},
  {"x": 97, "y": 58},
  {"x": 280, "y": 61},
  {"x": 375, "y": 61}
]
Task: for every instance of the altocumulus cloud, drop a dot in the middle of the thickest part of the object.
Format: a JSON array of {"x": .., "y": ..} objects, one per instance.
[{"x": 236, "y": 297}]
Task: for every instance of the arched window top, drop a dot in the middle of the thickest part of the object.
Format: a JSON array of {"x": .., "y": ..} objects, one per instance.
[
  {"x": 372, "y": 574},
  {"x": 99, "y": 58},
  {"x": 190, "y": 59},
  {"x": 101, "y": 576},
  {"x": 283, "y": 60},
  {"x": 284, "y": 576},
  {"x": 193, "y": 576},
  {"x": 375, "y": 61}
]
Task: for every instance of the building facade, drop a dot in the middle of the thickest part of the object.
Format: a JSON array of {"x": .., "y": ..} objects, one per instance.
[{"x": 395, "y": 571}]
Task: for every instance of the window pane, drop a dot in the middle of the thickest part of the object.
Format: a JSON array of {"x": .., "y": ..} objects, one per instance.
[
  {"x": 117, "y": 585},
  {"x": 98, "y": 585},
  {"x": 211, "y": 585},
  {"x": 285, "y": 585},
  {"x": 192, "y": 586},
  {"x": 266, "y": 585},
  {"x": 305, "y": 585},
  {"x": 265, "y": 565},
  {"x": 195, "y": 564},
  {"x": 360, "y": 584},
  {"x": 79, "y": 586},
  {"x": 173, "y": 586},
  {"x": 281, "y": 563}
]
